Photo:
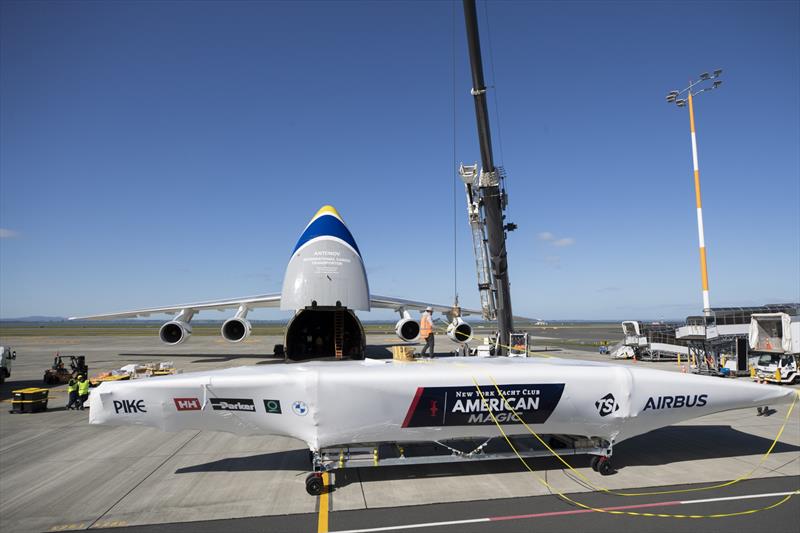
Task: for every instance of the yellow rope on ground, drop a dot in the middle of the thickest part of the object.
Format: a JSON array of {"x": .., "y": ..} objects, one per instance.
[
  {"x": 607, "y": 511},
  {"x": 617, "y": 493},
  {"x": 676, "y": 491}
]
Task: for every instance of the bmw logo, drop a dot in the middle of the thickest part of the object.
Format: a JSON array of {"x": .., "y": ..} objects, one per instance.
[{"x": 300, "y": 408}]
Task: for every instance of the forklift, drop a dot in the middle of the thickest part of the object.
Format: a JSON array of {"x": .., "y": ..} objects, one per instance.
[{"x": 58, "y": 373}]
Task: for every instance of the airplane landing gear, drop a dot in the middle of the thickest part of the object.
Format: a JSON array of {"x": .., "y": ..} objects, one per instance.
[{"x": 314, "y": 484}]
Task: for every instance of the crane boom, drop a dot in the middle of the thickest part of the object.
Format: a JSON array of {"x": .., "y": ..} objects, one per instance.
[{"x": 492, "y": 198}]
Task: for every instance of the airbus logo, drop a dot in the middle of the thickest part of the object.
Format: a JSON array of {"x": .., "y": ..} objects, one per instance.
[
  {"x": 606, "y": 405},
  {"x": 676, "y": 402},
  {"x": 300, "y": 408}
]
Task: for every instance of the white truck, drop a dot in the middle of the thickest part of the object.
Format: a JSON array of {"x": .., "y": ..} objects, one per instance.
[
  {"x": 775, "y": 337},
  {"x": 6, "y": 355}
]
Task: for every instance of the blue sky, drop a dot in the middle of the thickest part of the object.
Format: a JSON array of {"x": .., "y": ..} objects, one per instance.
[{"x": 160, "y": 152}]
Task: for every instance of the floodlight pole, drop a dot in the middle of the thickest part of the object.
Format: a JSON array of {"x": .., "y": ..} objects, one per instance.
[
  {"x": 699, "y": 201},
  {"x": 673, "y": 97}
]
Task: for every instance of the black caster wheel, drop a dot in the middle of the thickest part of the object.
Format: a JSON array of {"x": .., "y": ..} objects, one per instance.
[
  {"x": 314, "y": 485},
  {"x": 594, "y": 461},
  {"x": 604, "y": 466}
]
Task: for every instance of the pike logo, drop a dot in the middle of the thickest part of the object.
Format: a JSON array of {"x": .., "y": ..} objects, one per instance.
[
  {"x": 187, "y": 404},
  {"x": 463, "y": 406},
  {"x": 129, "y": 406}
]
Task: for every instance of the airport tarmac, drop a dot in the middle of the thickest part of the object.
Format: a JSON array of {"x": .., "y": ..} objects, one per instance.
[{"x": 58, "y": 473}]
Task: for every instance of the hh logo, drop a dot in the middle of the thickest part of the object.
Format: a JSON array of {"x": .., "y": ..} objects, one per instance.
[
  {"x": 187, "y": 404},
  {"x": 129, "y": 406},
  {"x": 434, "y": 408},
  {"x": 606, "y": 405}
]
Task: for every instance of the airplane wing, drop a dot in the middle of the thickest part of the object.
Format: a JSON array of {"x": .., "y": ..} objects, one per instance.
[
  {"x": 263, "y": 300},
  {"x": 387, "y": 302}
]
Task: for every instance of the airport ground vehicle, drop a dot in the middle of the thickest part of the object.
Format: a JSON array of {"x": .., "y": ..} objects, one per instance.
[
  {"x": 776, "y": 337},
  {"x": 58, "y": 373},
  {"x": 6, "y": 355},
  {"x": 772, "y": 365}
]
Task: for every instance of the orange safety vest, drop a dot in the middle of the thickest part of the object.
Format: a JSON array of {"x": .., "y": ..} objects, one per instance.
[{"x": 425, "y": 326}]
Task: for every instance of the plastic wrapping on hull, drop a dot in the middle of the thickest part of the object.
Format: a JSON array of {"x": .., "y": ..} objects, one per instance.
[{"x": 334, "y": 403}]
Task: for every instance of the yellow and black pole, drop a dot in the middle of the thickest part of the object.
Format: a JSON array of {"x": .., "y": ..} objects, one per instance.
[{"x": 674, "y": 97}]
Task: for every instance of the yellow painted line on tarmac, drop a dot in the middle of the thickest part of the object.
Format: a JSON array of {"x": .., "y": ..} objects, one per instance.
[
  {"x": 322, "y": 524},
  {"x": 70, "y": 527},
  {"x": 110, "y": 523}
]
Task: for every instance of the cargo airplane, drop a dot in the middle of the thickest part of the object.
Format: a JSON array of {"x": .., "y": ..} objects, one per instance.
[{"x": 324, "y": 284}]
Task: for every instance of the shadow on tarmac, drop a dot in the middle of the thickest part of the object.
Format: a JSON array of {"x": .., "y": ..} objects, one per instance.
[
  {"x": 660, "y": 447},
  {"x": 7, "y": 389},
  {"x": 211, "y": 357},
  {"x": 290, "y": 460},
  {"x": 379, "y": 351}
]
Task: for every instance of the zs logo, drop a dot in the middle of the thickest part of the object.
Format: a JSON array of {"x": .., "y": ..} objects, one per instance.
[{"x": 606, "y": 405}]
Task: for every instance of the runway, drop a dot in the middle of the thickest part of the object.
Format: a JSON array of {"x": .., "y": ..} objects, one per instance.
[
  {"x": 549, "y": 513},
  {"x": 57, "y": 473}
]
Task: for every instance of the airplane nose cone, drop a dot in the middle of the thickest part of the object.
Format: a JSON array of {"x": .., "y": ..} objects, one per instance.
[{"x": 326, "y": 210}]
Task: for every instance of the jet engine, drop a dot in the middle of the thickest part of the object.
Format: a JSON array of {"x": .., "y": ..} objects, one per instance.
[
  {"x": 175, "y": 332},
  {"x": 235, "y": 329},
  {"x": 459, "y": 331},
  {"x": 407, "y": 329}
]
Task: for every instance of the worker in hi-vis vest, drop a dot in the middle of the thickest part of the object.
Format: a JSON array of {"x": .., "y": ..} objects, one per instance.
[
  {"x": 426, "y": 331},
  {"x": 83, "y": 391},
  {"x": 72, "y": 390}
]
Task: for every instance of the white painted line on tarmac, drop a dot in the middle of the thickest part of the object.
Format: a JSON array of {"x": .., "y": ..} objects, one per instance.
[
  {"x": 562, "y": 513},
  {"x": 413, "y": 526},
  {"x": 747, "y": 496}
]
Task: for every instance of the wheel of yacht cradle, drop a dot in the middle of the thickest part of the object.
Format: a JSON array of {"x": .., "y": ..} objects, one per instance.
[
  {"x": 314, "y": 485},
  {"x": 604, "y": 466}
]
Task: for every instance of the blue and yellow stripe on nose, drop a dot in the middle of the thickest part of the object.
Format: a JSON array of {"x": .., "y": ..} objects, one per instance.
[{"x": 326, "y": 223}]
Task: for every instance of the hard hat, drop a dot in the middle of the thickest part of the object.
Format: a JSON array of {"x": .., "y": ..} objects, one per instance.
[{"x": 429, "y": 309}]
